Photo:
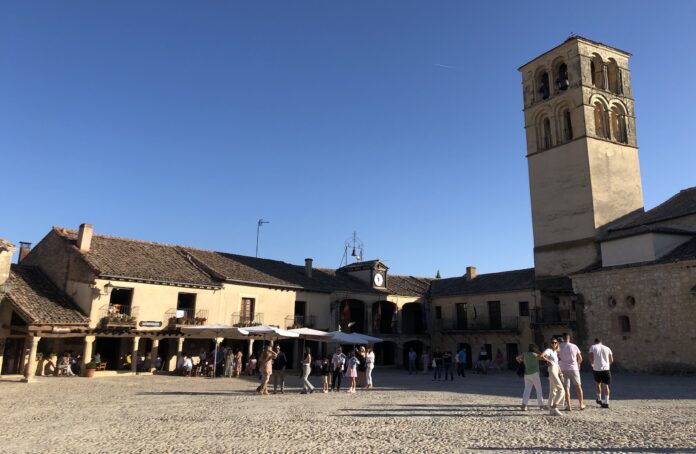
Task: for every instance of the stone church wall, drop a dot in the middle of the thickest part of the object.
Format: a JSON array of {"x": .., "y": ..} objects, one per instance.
[{"x": 645, "y": 314}]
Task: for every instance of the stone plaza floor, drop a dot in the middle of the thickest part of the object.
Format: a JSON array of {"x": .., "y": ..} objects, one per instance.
[{"x": 403, "y": 414}]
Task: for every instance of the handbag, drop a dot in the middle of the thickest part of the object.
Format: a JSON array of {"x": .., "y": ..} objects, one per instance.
[{"x": 520, "y": 369}]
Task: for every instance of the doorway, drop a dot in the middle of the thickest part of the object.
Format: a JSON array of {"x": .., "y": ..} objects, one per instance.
[{"x": 511, "y": 353}]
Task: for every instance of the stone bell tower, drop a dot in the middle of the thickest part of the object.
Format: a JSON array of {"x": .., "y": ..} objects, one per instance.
[{"x": 582, "y": 153}]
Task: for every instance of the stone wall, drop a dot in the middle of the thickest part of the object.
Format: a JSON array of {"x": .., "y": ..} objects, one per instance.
[{"x": 646, "y": 315}]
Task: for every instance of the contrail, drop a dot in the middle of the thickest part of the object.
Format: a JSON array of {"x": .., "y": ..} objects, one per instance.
[{"x": 444, "y": 66}]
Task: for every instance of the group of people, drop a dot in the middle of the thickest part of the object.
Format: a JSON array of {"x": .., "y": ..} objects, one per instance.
[
  {"x": 68, "y": 364},
  {"x": 563, "y": 360},
  {"x": 226, "y": 361},
  {"x": 447, "y": 362},
  {"x": 357, "y": 367}
]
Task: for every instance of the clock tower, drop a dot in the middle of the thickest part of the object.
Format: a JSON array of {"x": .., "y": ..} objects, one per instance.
[
  {"x": 582, "y": 153},
  {"x": 372, "y": 272}
]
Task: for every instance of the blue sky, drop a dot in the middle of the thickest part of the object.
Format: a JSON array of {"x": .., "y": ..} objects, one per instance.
[{"x": 185, "y": 122}]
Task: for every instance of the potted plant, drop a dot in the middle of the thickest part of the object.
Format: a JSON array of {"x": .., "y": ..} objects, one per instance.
[{"x": 90, "y": 368}]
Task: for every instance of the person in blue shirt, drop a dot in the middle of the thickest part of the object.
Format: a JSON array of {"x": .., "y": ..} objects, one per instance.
[{"x": 461, "y": 362}]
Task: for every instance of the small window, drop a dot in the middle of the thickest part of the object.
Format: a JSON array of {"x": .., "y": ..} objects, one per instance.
[
  {"x": 614, "y": 78},
  {"x": 612, "y": 301},
  {"x": 546, "y": 134},
  {"x": 544, "y": 89},
  {"x": 562, "y": 79},
  {"x": 567, "y": 126},
  {"x": 618, "y": 123},
  {"x": 630, "y": 301},
  {"x": 598, "y": 72},
  {"x": 625, "y": 324},
  {"x": 524, "y": 308},
  {"x": 601, "y": 123},
  {"x": 186, "y": 305},
  {"x": 438, "y": 312}
]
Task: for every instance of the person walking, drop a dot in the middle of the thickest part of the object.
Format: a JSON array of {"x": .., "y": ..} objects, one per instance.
[
  {"x": 499, "y": 360},
  {"x": 601, "y": 358},
  {"x": 569, "y": 360},
  {"x": 369, "y": 365},
  {"x": 437, "y": 365},
  {"x": 352, "y": 370},
  {"x": 238, "y": 358},
  {"x": 229, "y": 363},
  {"x": 306, "y": 370},
  {"x": 362, "y": 367},
  {"x": 461, "y": 362},
  {"x": 325, "y": 373},
  {"x": 338, "y": 363},
  {"x": 556, "y": 393},
  {"x": 412, "y": 361},
  {"x": 447, "y": 365},
  {"x": 425, "y": 359},
  {"x": 279, "y": 364},
  {"x": 483, "y": 360},
  {"x": 531, "y": 376},
  {"x": 265, "y": 365}
]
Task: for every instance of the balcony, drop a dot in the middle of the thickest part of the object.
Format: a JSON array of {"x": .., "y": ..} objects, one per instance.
[
  {"x": 243, "y": 320},
  {"x": 552, "y": 317},
  {"x": 186, "y": 317},
  {"x": 299, "y": 321},
  {"x": 118, "y": 316},
  {"x": 506, "y": 324}
]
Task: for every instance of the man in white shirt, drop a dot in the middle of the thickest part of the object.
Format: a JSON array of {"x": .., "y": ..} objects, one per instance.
[
  {"x": 601, "y": 358},
  {"x": 569, "y": 360},
  {"x": 338, "y": 362}
]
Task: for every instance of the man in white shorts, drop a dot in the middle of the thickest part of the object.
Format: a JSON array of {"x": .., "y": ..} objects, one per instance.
[
  {"x": 569, "y": 360},
  {"x": 601, "y": 358}
]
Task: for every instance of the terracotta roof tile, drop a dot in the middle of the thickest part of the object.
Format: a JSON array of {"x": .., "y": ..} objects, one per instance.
[
  {"x": 39, "y": 301},
  {"x": 140, "y": 260}
]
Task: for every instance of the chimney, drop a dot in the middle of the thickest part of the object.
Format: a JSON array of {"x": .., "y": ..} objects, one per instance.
[
  {"x": 308, "y": 267},
  {"x": 84, "y": 237},
  {"x": 24, "y": 249},
  {"x": 470, "y": 273}
]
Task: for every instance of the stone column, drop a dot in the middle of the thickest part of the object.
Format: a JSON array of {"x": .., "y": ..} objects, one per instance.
[
  {"x": 368, "y": 316},
  {"x": 134, "y": 354},
  {"x": 179, "y": 351},
  {"x": 31, "y": 366},
  {"x": 25, "y": 355},
  {"x": 2, "y": 353},
  {"x": 251, "y": 348},
  {"x": 153, "y": 355},
  {"x": 86, "y": 353}
]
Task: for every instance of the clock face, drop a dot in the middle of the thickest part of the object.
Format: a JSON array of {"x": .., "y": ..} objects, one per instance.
[{"x": 378, "y": 279}]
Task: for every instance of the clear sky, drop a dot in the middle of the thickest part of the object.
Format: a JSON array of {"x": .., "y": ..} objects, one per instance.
[{"x": 186, "y": 122}]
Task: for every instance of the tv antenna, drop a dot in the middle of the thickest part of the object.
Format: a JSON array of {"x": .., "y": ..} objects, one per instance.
[
  {"x": 356, "y": 248},
  {"x": 258, "y": 228}
]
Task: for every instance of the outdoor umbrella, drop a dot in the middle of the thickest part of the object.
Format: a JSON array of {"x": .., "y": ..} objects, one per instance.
[
  {"x": 214, "y": 330},
  {"x": 266, "y": 332},
  {"x": 369, "y": 339},
  {"x": 339, "y": 337},
  {"x": 311, "y": 334}
]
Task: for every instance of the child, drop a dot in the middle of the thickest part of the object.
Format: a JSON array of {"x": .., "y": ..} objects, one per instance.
[
  {"x": 325, "y": 372},
  {"x": 352, "y": 370}
]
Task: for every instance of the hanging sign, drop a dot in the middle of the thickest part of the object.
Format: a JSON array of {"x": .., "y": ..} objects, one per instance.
[{"x": 150, "y": 324}]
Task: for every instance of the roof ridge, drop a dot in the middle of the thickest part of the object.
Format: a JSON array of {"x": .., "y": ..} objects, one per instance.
[{"x": 488, "y": 274}]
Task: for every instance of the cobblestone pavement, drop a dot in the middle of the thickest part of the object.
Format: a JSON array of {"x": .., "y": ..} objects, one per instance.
[{"x": 405, "y": 414}]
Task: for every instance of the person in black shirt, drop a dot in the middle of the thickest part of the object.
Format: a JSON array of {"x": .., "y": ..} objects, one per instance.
[{"x": 279, "y": 365}]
